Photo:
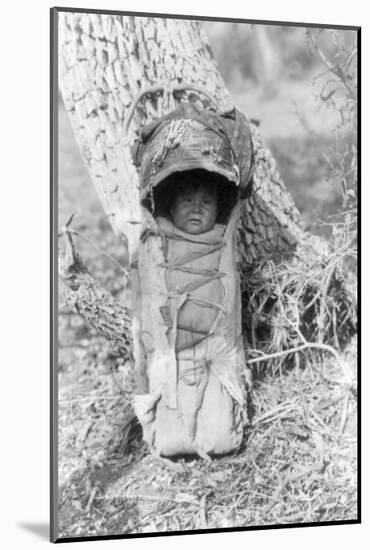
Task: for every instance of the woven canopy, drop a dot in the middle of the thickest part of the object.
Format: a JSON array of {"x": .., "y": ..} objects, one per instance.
[{"x": 190, "y": 138}]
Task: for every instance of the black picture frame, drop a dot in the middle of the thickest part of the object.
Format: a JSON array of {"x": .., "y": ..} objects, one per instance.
[{"x": 55, "y": 230}]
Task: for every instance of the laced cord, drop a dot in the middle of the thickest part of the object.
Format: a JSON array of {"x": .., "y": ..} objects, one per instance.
[{"x": 207, "y": 275}]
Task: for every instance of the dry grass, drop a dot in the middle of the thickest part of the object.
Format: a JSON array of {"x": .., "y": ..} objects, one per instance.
[
  {"x": 297, "y": 463},
  {"x": 294, "y": 307}
]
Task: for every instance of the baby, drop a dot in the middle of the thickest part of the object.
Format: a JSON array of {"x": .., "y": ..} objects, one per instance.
[
  {"x": 194, "y": 209},
  {"x": 193, "y": 248}
]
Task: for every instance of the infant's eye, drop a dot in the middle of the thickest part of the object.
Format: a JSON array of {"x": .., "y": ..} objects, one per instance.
[{"x": 207, "y": 201}]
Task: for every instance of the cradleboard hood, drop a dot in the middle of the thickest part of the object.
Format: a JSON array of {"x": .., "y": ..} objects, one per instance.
[{"x": 188, "y": 342}]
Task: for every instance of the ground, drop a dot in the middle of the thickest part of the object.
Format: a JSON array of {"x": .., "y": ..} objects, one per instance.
[
  {"x": 298, "y": 459},
  {"x": 297, "y": 463}
]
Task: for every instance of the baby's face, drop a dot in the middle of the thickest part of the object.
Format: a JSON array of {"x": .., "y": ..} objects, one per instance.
[{"x": 195, "y": 211}]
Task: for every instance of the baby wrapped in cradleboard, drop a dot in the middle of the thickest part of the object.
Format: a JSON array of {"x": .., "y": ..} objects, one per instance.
[{"x": 189, "y": 347}]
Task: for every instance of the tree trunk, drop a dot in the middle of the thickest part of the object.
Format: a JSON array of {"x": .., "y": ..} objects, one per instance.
[{"x": 105, "y": 60}]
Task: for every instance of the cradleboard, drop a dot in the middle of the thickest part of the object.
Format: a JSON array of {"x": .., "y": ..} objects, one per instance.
[{"x": 190, "y": 397}]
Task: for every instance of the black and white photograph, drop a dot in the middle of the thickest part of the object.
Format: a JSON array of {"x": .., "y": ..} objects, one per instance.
[{"x": 205, "y": 227}]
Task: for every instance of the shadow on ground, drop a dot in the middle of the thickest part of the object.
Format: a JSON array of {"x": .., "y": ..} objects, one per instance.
[{"x": 39, "y": 529}]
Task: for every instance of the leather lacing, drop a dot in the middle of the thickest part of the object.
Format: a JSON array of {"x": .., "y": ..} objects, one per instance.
[{"x": 206, "y": 275}]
